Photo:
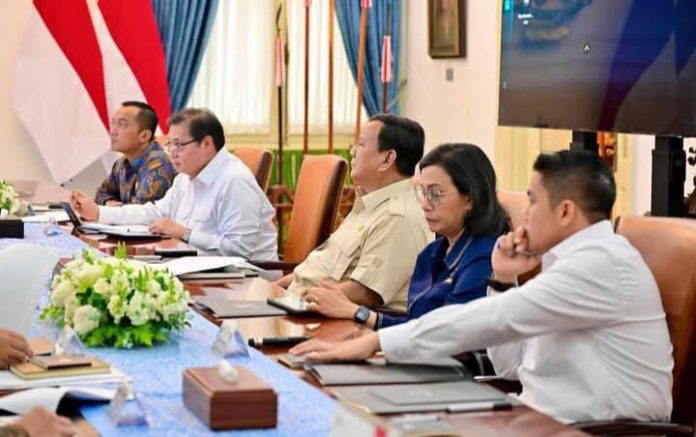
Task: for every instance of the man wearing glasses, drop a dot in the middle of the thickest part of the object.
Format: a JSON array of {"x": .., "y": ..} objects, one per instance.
[
  {"x": 370, "y": 257},
  {"x": 144, "y": 173},
  {"x": 214, "y": 203}
]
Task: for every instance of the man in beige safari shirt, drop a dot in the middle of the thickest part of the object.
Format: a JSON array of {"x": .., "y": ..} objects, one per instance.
[{"x": 371, "y": 256}]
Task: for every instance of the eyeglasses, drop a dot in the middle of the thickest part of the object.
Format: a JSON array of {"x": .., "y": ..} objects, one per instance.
[
  {"x": 433, "y": 195},
  {"x": 176, "y": 146}
]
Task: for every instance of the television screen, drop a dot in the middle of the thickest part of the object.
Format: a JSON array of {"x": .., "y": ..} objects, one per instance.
[{"x": 599, "y": 65}]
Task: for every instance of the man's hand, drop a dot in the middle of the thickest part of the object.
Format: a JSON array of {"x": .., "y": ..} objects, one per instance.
[
  {"x": 113, "y": 202},
  {"x": 357, "y": 349},
  {"x": 14, "y": 348},
  {"x": 84, "y": 206},
  {"x": 285, "y": 281},
  {"x": 329, "y": 300},
  {"x": 40, "y": 423},
  {"x": 167, "y": 226},
  {"x": 511, "y": 256}
]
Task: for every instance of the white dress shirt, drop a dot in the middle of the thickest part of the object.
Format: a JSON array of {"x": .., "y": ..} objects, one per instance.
[
  {"x": 223, "y": 206},
  {"x": 587, "y": 337}
]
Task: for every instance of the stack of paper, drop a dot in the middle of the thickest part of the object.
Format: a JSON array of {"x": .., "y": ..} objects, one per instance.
[{"x": 9, "y": 381}]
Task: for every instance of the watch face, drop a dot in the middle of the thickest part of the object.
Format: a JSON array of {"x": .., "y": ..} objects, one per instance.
[{"x": 362, "y": 315}]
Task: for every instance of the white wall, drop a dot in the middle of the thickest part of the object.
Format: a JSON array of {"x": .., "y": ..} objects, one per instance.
[{"x": 464, "y": 110}]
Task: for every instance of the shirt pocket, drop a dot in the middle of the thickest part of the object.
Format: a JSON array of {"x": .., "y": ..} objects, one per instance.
[
  {"x": 341, "y": 252},
  {"x": 201, "y": 216}
]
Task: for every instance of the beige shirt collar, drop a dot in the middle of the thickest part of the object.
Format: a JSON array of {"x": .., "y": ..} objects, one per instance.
[{"x": 372, "y": 200}]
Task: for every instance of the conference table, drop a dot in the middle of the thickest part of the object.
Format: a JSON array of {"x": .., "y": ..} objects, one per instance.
[{"x": 304, "y": 407}]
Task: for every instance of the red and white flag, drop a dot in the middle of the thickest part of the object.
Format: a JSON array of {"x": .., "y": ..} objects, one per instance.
[
  {"x": 78, "y": 61},
  {"x": 387, "y": 73}
]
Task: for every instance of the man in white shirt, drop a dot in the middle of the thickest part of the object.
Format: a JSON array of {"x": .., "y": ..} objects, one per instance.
[
  {"x": 214, "y": 202},
  {"x": 587, "y": 337}
]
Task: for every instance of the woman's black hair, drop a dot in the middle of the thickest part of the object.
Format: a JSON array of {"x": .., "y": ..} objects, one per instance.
[{"x": 472, "y": 173}]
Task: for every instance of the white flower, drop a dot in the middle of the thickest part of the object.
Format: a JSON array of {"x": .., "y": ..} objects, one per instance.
[
  {"x": 71, "y": 304},
  {"x": 121, "y": 293},
  {"x": 154, "y": 288},
  {"x": 117, "y": 307},
  {"x": 119, "y": 282},
  {"x": 138, "y": 311},
  {"x": 86, "y": 319},
  {"x": 61, "y": 292},
  {"x": 8, "y": 198},
  {"x": 102, "y": 287},
  {"x": 89, "y": 274}
]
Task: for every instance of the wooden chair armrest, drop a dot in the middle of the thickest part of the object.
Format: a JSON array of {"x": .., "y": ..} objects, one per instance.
[{"x": 631, "y": 427}]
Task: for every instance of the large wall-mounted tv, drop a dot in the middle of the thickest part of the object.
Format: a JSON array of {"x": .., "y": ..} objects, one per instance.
[{"x": 599, "y": 65}]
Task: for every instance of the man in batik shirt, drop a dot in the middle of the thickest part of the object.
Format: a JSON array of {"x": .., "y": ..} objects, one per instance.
[{"x": 144, "y": 173}]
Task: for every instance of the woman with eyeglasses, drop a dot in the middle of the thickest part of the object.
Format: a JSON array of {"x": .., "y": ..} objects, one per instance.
[{"x": 456, "y": 190}]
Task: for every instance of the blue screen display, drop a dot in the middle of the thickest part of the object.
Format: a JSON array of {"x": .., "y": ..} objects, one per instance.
[{"x": 599, "y": 65}]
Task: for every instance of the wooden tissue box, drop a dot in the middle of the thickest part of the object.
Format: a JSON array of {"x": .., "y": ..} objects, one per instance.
[
  {"x": 11, "y": 227},
  {"x": 248, "y": 403}
]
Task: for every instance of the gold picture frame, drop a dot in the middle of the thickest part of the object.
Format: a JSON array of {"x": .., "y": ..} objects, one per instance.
[{"x": 447, "y": 28}]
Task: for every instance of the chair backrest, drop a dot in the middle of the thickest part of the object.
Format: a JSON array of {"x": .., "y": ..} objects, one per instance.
[
  {"x": 259, "y": 162},
  {"x": 514, "y": 203},
  {"x": 668, "y": 246},
  {"x": 315, "y": 204}
]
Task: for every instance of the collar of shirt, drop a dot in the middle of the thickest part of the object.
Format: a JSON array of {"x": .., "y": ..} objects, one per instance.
[
  {"x": 140, "y": 159},
  {"x": 454, "y": 256},
  {"x": 210, "y": 172},
  {"x": 372, "y": 200},
  {"x": 601, "y": 229}
]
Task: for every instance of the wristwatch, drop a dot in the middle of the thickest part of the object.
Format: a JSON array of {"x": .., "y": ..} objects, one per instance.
[
  {"x": 499, "y": 286},
  {"x": 187, "y": 236},
  {"x": 361, "y": 315}
]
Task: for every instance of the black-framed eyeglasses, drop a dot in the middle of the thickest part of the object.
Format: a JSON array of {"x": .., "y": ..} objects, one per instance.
[
  {"x": 177, "y": 146},
  {"x": 433, "y": 195}
]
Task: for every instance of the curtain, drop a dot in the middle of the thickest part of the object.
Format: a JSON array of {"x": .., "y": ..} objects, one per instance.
[
  {"x": 184, "y": 26},
  {"x": 345, "y": 91},
  {"x": 236, "y": 76},
  {"x": 348, "y": 14}
]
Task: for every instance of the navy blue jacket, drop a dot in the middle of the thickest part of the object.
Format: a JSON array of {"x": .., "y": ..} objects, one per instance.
[{"x": 442, "y": 278}]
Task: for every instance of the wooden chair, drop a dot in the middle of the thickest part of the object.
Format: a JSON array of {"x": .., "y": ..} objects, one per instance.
[
  {"x": 514, "y": 203},
  {"x": 315, "y": 204},
  {"x": 259, "y": 162},
  {"x": 668, "y": 246}
]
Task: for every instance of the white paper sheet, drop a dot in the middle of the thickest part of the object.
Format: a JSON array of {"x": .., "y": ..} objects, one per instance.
[
  {"x": 45, "y": 217},
  {"x": 190, "y": 264}
]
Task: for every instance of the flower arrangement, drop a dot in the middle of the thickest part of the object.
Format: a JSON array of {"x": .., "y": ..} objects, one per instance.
[
  {"x": 8, "y": 198},
  {"x": 117, "y": 302}
]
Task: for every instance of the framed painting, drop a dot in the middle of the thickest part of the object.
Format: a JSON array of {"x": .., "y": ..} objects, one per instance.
[{"x": 447, "y": 28}]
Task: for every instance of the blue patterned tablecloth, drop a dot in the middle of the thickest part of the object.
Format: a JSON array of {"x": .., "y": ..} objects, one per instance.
[{"x": 157, "y": 375}]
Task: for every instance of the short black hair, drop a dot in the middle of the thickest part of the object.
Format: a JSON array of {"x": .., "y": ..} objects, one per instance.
[
  {"x": 580, "y": 176},
  {"x": 202, "y": 122},
  {"x": 472, "y": 173},
  {"x": 405, "y": 136},
  {"x": 146, "y": 117}
]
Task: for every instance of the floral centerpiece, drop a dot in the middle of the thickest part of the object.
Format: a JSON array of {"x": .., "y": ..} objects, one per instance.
[
  {"x": 117, "y": 302},
  {"x": 8, "y": 198}
]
